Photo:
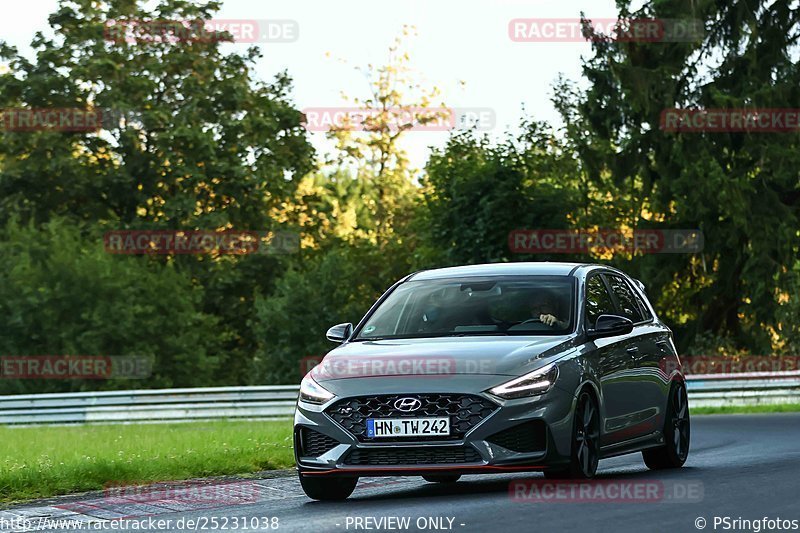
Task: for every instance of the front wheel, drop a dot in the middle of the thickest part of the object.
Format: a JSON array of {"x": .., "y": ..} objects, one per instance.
[
  {"x": 585, "y": 454},
  {"x": 328, "y": 488},
  {"x": 677, "y": 429}
]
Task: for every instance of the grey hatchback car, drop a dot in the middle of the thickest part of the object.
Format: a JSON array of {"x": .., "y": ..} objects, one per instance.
[{"x": 493, "y": 368}]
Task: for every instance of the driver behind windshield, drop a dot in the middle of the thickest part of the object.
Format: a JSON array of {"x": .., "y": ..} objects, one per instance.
[{"x": 543, "y": 306}]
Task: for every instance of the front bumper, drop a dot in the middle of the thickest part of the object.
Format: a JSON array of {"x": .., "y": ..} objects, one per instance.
[{"x": 511, "y": 435}]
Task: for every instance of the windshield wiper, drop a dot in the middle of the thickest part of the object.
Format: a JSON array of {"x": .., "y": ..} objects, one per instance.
[
  {"x": 475, "y": 333},
  {"x": 434, "y": 335}
]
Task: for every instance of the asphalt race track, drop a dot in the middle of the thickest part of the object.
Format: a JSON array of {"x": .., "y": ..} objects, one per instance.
[{"x": 740, "y": 466}]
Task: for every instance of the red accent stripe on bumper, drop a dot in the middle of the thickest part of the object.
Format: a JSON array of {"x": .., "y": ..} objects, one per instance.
[{"x": 411, "y": 470}]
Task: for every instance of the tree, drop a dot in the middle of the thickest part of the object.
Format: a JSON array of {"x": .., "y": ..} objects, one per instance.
[
  {"x": 369, "y": 147},
  {"x": 203, "y": 145},
  {"x": 476, "y": 193},
  {"x": 200, "y": 145},
  {"x": 61, "y": 294},
  {"x": 356, "y": 214},
  {"x": 740, "y": 189}
]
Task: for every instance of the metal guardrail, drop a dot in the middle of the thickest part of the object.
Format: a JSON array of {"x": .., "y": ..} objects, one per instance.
[
  {"x": 271, "y": 402},
  {"x": 160, "y": 405},
  {"x": 753, "y": 388}
]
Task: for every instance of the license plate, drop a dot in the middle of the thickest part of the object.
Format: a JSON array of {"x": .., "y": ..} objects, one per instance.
[{"x": 408, "y": 427}]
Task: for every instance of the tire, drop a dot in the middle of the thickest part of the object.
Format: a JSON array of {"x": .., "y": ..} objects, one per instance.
[
  {"x": 677, "y": 433},
  {"x": 442, "y": 478},
  {"x": 328, "y": 488},
  {"x": 585, "y": 450}
]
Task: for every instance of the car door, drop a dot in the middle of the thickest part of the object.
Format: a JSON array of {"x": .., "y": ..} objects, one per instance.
[
  {"x": 644, "y": 382},
  {"x": 661, "y": 359},
  {"x": 612, "y": 362}
]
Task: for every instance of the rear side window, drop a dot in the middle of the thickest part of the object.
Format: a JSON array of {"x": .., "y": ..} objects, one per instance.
[
  {"x": 626, "y": 298},
  {"x": 598, "y": 301},
  {"x": 643, "y": 306}
]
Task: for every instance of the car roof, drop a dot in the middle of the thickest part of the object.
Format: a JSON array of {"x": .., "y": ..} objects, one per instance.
[{"x": 539, "y": 268}]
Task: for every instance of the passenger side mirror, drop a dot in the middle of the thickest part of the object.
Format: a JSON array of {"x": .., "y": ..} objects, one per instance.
[
  {"x": 610, "y": 326},
  {"x": 339, "y": 332}
]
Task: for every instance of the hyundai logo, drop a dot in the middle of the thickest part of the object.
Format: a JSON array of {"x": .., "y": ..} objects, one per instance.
[{"x": 407, "y": 404}]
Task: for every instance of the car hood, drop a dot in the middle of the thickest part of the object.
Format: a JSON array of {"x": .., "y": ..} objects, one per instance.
[{"x": 502, "y": 356}]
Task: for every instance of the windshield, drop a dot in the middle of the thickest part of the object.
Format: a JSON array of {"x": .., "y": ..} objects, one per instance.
[{"x": 515, "y": 305}]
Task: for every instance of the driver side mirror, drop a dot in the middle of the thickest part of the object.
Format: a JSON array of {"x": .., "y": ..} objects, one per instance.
[
  {"x": 339, "y": 332},
  {"x": 610, "y": 326}
]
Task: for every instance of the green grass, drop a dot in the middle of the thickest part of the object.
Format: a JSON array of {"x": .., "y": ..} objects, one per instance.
[
  {"x": 733, "y": 409},
  {"x": 39, "y": 462}
]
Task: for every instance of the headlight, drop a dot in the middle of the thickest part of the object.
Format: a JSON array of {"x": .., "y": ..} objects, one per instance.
[
  {"x": 536, "y": 382},
  {"x": 313, "y": 392}
]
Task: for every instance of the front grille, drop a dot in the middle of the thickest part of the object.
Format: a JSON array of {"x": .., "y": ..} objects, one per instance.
[
  {"x": 413, "y": 456},
  {"x": 524, "y": 438},
  {"x": 465, "y": 412},
  {"x": 314, "y": 443}
]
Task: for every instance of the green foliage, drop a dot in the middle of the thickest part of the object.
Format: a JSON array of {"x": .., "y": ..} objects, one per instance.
[
  {"x": 203, "y": 145},
  {"x": 62, "y": 294},
  {"x": 740, "y": 189},
  {"x": 336, "y": 285},
  {"x": 476, "y": 193},
  {"x": 40, "y": 462},
  {"x": 370, "y": 150}
]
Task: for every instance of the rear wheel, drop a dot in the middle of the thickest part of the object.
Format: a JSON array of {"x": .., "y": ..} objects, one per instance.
[
  {"x": 585, "y": 454},
  {"x": 677, "y": 430},
  {"x": 328, "y": 488},
  {"x": 442, "y": 478}
]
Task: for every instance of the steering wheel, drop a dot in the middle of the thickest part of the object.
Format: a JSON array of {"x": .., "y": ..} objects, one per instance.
[{"x": 509, "y": 325}]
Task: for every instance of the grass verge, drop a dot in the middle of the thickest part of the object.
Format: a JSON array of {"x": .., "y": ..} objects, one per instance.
[
  {"x": 37, "y": 462},
  {"x": 733, "y": 409}
]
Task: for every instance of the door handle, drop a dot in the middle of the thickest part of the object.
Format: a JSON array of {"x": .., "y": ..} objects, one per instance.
[{"x": 632, "y": 351}]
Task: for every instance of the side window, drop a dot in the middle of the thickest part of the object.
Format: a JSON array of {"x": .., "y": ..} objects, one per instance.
[
  {"x": 627, "y": 301},
  {"x": 598, "y": 301},
  {"x": 643, "y": 306}
]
